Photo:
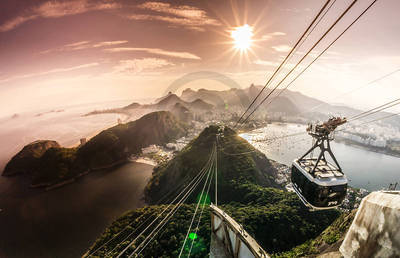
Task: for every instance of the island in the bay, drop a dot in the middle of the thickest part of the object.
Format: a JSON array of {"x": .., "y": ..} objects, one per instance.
[{"x": 48, "y": 164}]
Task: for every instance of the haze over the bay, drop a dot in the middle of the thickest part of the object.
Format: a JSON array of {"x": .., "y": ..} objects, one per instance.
[{"x": 57, "y": 53}]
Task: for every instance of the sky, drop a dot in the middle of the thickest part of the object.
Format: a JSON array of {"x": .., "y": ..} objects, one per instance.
[{"x": 59, "y": 53}]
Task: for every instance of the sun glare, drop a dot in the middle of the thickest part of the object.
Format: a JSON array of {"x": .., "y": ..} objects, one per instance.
[{"x": 242, "y": 37}]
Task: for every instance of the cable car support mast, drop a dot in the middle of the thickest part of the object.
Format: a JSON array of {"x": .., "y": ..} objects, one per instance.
[{"x": 322, "y": 133}]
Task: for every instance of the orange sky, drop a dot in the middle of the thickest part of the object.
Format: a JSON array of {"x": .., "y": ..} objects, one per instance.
[{"x": 57, "y": 53}]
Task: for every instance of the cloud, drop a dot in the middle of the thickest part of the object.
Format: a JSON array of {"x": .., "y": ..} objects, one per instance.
[
  {"x": 272, "y": 35},
  {"x": 13, "y": 23},
  {"x": 297, "y": 10},
  {"x": 181, "y": 15},
  {"x": 139, "y": 65},
  {"x": 265, "y": 62},
  {"x": 77, "y": 44},
  {"x": 84, "y": 45},
  {"x": 110, "y": 43},
  {"x": 56, "y": 70},
  {"x": 56, "y": 9},
  {"x": 157, "y": 51},
  {"x": 277, "y": 33},
  {"x": 282, "y": 48}
]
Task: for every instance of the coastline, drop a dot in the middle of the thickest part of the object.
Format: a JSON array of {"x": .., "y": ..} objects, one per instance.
[
  {"x": 368, "y": 148},
  {"x": 337, "y": 139},
  {"x": 78, "y": 212}
]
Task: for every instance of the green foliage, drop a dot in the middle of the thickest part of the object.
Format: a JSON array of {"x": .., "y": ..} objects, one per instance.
[
  {"x": 277, "y": 219},
  {"x": 330, "y": 237},
  {"x": 56, "y": 164},
  {"x": 102, "y": 150},
  {"x": 246, "y": 191},
  {"x": 277, "y": 226},
  {"x": 166, "y": 244},
  {"x": 233, "y": 170},
  {"x": 27, "y": 159},
  {"x": 116, "y": 143},
  {"x": 109, "y": 148}
]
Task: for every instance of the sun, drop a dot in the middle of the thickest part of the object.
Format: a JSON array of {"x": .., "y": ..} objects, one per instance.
[{"x": 242, "y": 37}]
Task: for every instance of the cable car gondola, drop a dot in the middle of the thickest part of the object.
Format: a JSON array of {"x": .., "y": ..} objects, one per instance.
[{"x": 318, "y": 183}]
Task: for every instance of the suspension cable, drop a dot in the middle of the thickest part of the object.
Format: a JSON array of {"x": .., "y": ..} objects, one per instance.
[
  {"x": 315, "y": 59},
  {"x": 153, "y": 235},
  {"x": 195, "y": 212},
  {"x": 353, "y": 90},
  {"x": 216, "y": 173},
  {"x": 191, "y": 186},
  {"x": 378, "y": 119},
  {"x": 202, "y": 208},
  {"x": 283, "y": 62},
  {"x": 322, "y": 17},
  {"x": 157, "y": 229},
  {"x": 140, "y": 225},
  {"x": 376, "y": 109},
  {"x": 130, "y": 224},
  {"x": 301, "y": 60}
]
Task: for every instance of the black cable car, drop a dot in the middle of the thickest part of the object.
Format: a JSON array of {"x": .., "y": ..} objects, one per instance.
[{"x": 318, "y": 183}]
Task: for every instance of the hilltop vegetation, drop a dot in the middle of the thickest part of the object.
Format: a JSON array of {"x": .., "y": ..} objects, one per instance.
[
  {"x": 234, "y": 171},
  {"x": 328, "y": 241},
  {"x": 247, "y": 191},
  {"x": 112, "y": 146},
  {"x": 28, "y": 157},
  {"x": 278, "y": 224}
]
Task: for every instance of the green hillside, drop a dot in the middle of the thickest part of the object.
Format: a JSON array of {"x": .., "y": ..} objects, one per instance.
[
  {"x": 246, "y": 191},
  {"x": 56, "y": 164},
  {"x": 328, "y": 241},
  {"x": 116, "y": 143},
  {"x": 108, "y": 148},
  {"x": 25, "y": 160},
  {"x": 277, "y": 226},
  {"x": 239, "y": 163}
]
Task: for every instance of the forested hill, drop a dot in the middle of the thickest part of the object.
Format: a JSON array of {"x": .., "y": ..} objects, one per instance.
[
  {"x": 328, "y": 241},
  {"x": 246, "y": 191},
  {"x": 239, "y": 164},
  {"x": 49, "y": 164},
  {"x": 275, "y": 218}
]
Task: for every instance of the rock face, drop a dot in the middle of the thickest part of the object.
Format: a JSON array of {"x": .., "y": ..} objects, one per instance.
[
  {"x": 375, "y": 229},
  {"x": 27, "y": 158}
]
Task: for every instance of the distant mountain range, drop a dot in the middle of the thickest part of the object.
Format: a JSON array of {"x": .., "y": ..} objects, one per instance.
[
  {"x": 292, "y": 105},
  {"x": 233, "y": 101}
]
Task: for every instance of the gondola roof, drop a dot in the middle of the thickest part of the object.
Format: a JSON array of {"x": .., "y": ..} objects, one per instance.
[{"x": 324, "y": 174}]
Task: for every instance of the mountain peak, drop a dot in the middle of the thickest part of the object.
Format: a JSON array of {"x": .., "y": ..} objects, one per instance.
[
  {"x": 201, "y": 104},
  {"x": 170, "y": 99},
  {"x": 28, "y": 156},
  {"x": 187, "y": 90}
]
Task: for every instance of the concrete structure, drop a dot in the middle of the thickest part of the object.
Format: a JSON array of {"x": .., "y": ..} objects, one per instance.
[
  {"x": 375, "y": 231},
  {"x": 82, "y": 141},
  {"x": 229, "y": 239}
]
